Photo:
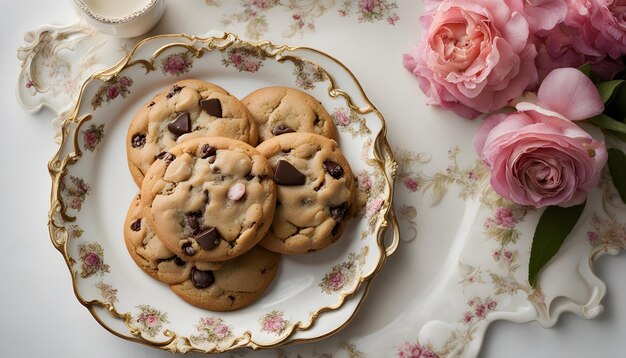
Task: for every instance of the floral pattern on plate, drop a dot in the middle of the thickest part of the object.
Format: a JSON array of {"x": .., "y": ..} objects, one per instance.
[
  {"x": 150, "y": 320},
  {"x": 76, "y": 191},
  {"x": 243, "y": 58},
  {"x": 303, "y": 14},
  {"x": 117, "y": 87},
  {"x": 177, "y": 64},
  {"x": 91, "y": 260},
  {"x": 274, "y": 322},
  {"x": 344, "y": 274},
  {"x": 92, "y": 136},
  {"x": 109, "y": 294},
  {"x": 212, "y": 330}
]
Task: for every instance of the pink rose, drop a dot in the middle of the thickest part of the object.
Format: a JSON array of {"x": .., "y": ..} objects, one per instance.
[
  {"x": 261, "y": 4},
  {"x": 124, "y": 81},
  {"x": 151, "y": 320},
  {"x": 175, "y": 64},
  {"x": 112, "y": 92},
  {"x": 335, "y": 280},
  {"x": 537, "y": 156},
  {"x": 414, "y": 350},
  {"x": 411, "y": 184},
  {"x": 374, "y": 206},
  {"x": 274, "y": 324},
  {"x": 504, "y": 217},
  {"x": 76, "y": 202},
  {"x": 474, "y": 56},
  {"x": 365, "y": 182},
  {"x": 342, "y": 118},
  {"x": 90, "y": 138},
  {"x": 221, "y": 331},
  {"x": 209, "y": 321},
  {"x": 600, "y": 26},
  {"x": 92, "y": 259},
  {"x": 582, "y": 37}
]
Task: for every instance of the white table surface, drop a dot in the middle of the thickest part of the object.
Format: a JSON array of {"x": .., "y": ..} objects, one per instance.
[{"x": 40, "y": 316}]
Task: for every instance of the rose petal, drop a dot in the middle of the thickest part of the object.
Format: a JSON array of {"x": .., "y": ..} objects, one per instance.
[
  {"x": 545, "y": 14},
  {"x": 485, "y": 128},
  {"x": 570, "y": 93}
]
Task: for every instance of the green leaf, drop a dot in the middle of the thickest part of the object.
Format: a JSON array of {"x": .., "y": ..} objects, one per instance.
[
  {"x": 554, "y": 226},
  {"x": 605, "y": 122},
  {"x": 586, "y": 69},
  {"x": 609, "y": 89},
  {"x": 617, "y": 168},
  {"x": 619, "y": 101}
]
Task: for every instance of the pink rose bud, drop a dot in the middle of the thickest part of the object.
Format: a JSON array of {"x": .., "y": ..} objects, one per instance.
[{"x": 236, "y": 191}]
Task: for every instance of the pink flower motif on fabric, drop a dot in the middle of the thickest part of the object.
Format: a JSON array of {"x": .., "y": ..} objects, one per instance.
[{"x": 414, "y": 350}]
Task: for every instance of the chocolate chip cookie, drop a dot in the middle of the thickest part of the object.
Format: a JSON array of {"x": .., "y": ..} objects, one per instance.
[
  {"x": 279, "y": 110},
  {"x": 209, "y": 199},
  {"x": 148, "y": 251},
  {"x": 236, "y": 284},
  {"x": 187, "y": 109},
  {"x": 315, "y": 192}
]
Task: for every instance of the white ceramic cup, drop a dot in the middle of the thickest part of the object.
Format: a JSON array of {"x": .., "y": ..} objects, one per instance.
[{"x": 121, "y": 18}]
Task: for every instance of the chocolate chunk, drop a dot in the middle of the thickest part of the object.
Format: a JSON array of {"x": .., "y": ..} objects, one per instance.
[
  {"x": 249, "y": 176},
  {"x": 231, "y": 298},
  {"x": 193, "y": 224},
  {"x": 208, "y": 239},
  {"x": 316, "y": 122},
  {"x": 174, "y": 90},
  {"x": 136, "y": 226},
  {"x": 188, "y": 249},
  {"x": 151, "y": 104},
  {"x": 167, "y": 156},
  {"x": 338, "y": 212},
  {"x": 207, "y": 151},
  {"x": 181, "y": 125},
  {"x": 138, "y": 140},
  {"x": 178, "y": 261},
  {"x": 282, "y": 129},
  {"x": 212, "y": 106},
  {"x": 335, "y": 170},
  {"x": 201, "y": 279},
  {"x": 286, "y": 174}
]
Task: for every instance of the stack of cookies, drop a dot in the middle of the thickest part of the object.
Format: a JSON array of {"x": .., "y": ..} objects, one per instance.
[{"x": 214, "y": 213}]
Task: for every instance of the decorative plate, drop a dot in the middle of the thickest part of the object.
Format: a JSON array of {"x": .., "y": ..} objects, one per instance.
[{"x": 92, "y": 189}]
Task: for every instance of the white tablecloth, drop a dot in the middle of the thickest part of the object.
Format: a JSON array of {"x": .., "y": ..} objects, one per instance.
[{"x": 40, "y": 315}]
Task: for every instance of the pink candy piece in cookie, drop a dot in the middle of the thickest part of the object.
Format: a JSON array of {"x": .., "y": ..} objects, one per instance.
[{"x": 236, "y": 191}]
